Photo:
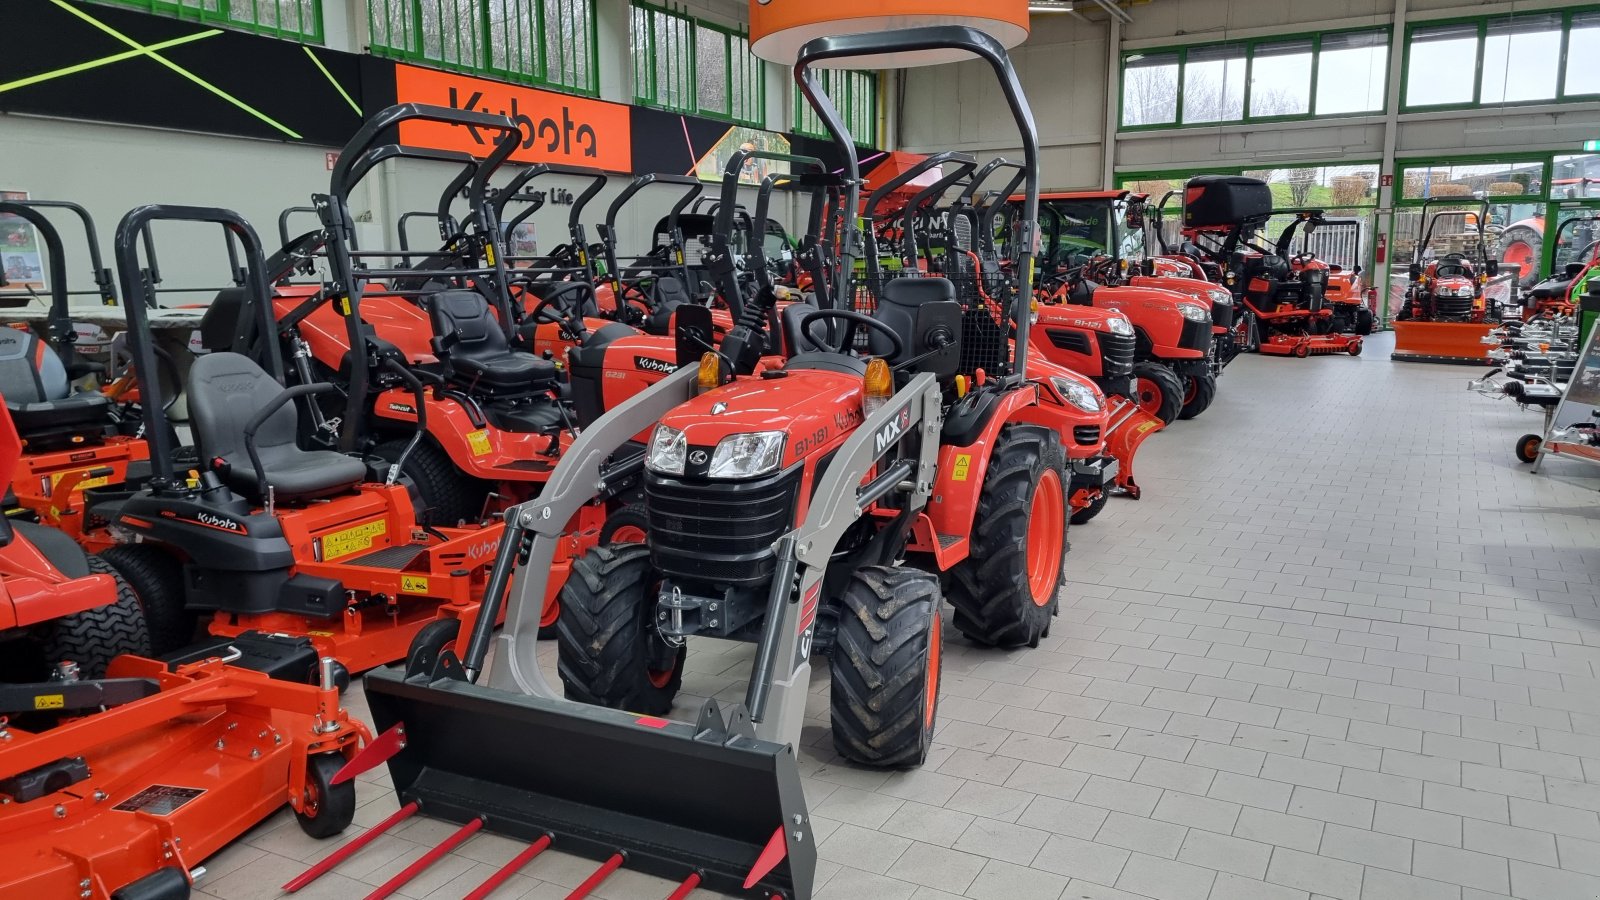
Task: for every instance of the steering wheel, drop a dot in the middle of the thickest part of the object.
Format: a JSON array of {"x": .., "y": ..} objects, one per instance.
[
  {"x": 852, "y": 320},
  {"x": 559, "y": 308}
]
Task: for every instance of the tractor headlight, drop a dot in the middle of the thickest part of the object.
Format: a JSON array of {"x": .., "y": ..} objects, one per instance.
[
  {"x": 1194, "y": 312},
  {"x": 1222, "y": 297},
  {"x": 1079, "y": 395},
  {"x": 746, "y": 455},
  {"x": 1460, "y": 292},
  {"x": 1119, "y": 325},
  {"x": 668, "y": 451}
]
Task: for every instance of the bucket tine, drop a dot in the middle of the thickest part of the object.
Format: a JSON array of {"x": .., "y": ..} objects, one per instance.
[
  {"x": 509, "y": 869},
  {"x": 600, "y": 874},
  {"x": 686, "y": 888},
  {"x": 427, "y": 859},
  {"x": 351, "y": 849}
]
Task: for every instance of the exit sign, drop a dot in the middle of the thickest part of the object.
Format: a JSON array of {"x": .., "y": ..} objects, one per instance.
[{"x": 1591, "y": 146}]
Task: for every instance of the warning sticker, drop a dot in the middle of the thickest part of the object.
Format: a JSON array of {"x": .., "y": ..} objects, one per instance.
[
  {"x": 413, "y": 584},
  {"x": 963, "y": 463},
  {"x": 159, "y": 799},
  {"x": 479, "y": 442}
]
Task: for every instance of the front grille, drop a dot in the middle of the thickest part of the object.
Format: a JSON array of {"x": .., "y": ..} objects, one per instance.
[
  {"x": 1452, "y": 308},
  {"x": 1196, "y": 336},
  {"x": 1116, "y": 353},
  {"x": 1087, "y": 435},
  {"x": 1222, "y": 315},
  {"x": 718, "y": 531},
  {"x": 1069, "y": 339}
]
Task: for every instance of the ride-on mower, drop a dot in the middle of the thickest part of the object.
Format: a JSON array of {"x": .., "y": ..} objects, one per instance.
[
  {"x": 72, "y": 439},
  {"x": 287, "y": 549},
  {"x": 1446, "y": 312},
  {"x": 929, "y": 465},
  {"x": 1577, "y": 265}
]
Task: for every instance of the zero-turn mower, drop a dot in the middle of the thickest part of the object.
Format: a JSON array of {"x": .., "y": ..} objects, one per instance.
[{"x": 805, "y": 506}]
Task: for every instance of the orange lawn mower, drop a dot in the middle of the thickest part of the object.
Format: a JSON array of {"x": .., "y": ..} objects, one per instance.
[
  {"x": 1447, "y": 312},
  {"x": 1577, "y": 263},
  {"x": 293, "y": 554},
  {"x": 120, "y": 774},
  {"x": 804, "y": 509},
  {"x": 72, "y": 439}
]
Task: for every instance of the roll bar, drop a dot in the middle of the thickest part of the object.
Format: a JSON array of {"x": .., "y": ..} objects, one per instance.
[
  {"x": 284, "y": 238},
  {"x": 870, "y": 212},
  {"x": 925, "y": 197},
  {"x": 105, "y": 283},
  {"x": 136, "y": 288},
  {"x": 60, "y": 323},
  {"x": 608, "y": 234},
  {"x": 728, "y": 207},
  {"x": 1425, "y": 227}
]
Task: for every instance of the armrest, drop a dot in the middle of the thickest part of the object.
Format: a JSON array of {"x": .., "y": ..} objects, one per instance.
[{"x": 260, "y": 418}]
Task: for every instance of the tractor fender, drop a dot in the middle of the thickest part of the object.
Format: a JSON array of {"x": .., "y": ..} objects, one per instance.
[
  {"x": 479, "y": 451},
  {"x": 961, "y": 467}
]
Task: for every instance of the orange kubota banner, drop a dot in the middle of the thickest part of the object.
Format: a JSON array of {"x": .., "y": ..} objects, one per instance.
[{"x": 556, "y": 128}]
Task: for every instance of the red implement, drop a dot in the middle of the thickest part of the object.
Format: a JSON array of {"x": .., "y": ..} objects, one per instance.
[
  {"x": 427, "y": 859},
  {"x": 351, "y": 849}
]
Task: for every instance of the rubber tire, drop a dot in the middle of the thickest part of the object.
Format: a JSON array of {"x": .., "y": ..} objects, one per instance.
[
  {"x": 631, "y": 516},
  {"x": 1301, "y": 351},
  {"x": 1528, "y": 447},
  {"x": 448, "y": 495},
  {"x": 1365, "y": 321},
  {"x": 156, "y": 577},
  {"x": 1082, "y": 516},
  {"x": 1535, "y": 241},
  {"x": 429, "y": 642},
  {"x": 1353, "y": 348},
  {"x": 606, "y": 632},
  {"x": 1205, "y": 391},
  {"x": 1168, "y": 383},
  {"x": 989, "y": 589},
  {"x": 94, "y": 637},
  {"x": 335, "y": 803},
  {"x": 889, "y": 618}
]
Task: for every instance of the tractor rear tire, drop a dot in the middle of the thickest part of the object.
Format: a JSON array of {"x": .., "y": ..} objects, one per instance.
[
  {"x": 447, "y": 496},
  {"x": 1082, "y": 516},
  {"x": 94, "y": 637},
  {"x": 326, "y": 808},
  {"x": 1006, "y": 590},
  {"x": 1521, "y": 246},
  {"x": 156, "y": 577},
  {"x": 609, "y": 651},
  {"x": 885, "y": 663},
  {"x": 1199, "y": 391},
  {"x": 1158, "y": 390},
  {"x": 1365, "y": 321}
]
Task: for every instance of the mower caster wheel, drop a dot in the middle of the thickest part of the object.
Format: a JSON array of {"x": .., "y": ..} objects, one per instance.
[
  {"x": 430, "y": 641},
  {"x": 885, "y": 663},
  {"x": 1528, "y": 447},
  {"x": 1301, "y": 351},
  {"x": 1354, "y": 349},
  {"x": 341, "y": 677},
  {"x": 326, "y": 808}
]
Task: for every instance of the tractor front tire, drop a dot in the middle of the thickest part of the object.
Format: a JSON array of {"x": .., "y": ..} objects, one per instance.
[
  {"x": 626, "y": 525},
  {"x": 94, "y": 637},
  {"x": 447, "y": 495},
  {"x": 1158, "y": 390},
  {"x": 156, "y": 577},
  {"x": 885, "y": 665},
  {"x": 609, "y": 651},
  {"x": 1199, "y": 391},
  {"x": 1005, "y": 591},
  {"x": 326, "y": 809}
]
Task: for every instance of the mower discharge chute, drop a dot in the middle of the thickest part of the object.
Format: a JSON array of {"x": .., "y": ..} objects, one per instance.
[
  {"x": 1447, "y": 312},
  {"x": 759, "y": 542}
]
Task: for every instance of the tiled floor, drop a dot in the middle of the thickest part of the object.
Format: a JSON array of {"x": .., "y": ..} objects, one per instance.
[{"x": 1344, "y": 648}]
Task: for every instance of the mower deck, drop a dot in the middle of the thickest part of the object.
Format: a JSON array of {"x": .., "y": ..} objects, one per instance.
[
  {"x": 1442, "y": 342},
  {"x": 1311, "y": 345}
]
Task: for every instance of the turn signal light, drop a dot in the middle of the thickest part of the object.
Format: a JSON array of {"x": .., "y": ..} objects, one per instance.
[
  {"x": 710, "y": 371},
  {"x": 876, "y": 386}
]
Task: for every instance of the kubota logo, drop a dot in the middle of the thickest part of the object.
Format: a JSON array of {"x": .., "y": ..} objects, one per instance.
[
  {"x": 651, "y": 364},
  {"x": 893, "y": 431},
  {"x": 215, "y": 521},
  {"x": 555, "y": 137}
]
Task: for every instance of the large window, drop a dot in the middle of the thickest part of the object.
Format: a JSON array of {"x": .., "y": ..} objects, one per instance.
[
  {"x": 299, "y": 20},
  {"x": 854, "y": 94},
  {"x": 544, "y": 42},
  {"x": 1525, "y": 58},
  {"x": 1342, "y": 73},
  {"x": 689, "y": 65}
]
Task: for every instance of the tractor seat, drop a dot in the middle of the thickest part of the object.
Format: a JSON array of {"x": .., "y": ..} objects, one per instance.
[
  {"x": 39, "y": 396},
  {"x": 1452, "y": 270},
  {"x": 1552, "y": 289},
  {"x": 666, "y": 295},
  {"x": 789, "y": 319},
  {"x": 226, "y": 390},
  {"x": 913, "y": 308},
  {"x": 475, "y": 352}
]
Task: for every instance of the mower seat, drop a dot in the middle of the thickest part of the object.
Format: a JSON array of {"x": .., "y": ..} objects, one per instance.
[
  {"x": 226, "y": 390},
  {"x": 39, "y": 394},
  {"x": 475, "y": 353},
  {"x": 1552, "y": 289}
]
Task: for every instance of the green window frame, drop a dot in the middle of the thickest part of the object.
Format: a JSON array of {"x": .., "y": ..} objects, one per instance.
[
  {"x": 547, "y": 43},
  {"x": 855, "y": 94},
  {"x": 1569, "y": 67},
  {"x": 689, "y": 65},
  {"x": 1229, "y": 108},
  {"x": 293, "y": 20}
]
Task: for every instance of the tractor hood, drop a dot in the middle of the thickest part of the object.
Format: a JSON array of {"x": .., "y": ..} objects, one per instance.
[
  {"x": 814, "y": 408},
  {"x": 1132, "y": 298},
  {"x": 1198, "y": 288},
  {"x": 1077, "y": 316}
]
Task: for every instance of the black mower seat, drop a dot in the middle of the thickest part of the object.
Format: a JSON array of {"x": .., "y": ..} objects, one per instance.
[
  {"x": 39, "y": 395},
  {"x": 474, "y": 350},
  {"x": 1552, "y": 289},
  {"x": 226, "y": 390}
]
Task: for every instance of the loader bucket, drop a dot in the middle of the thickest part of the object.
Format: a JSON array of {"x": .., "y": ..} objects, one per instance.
[
  {"x": 1442, "y": 342},
  {"x": 1128, "y": 427},
  {"x": 673, "y": 799}
]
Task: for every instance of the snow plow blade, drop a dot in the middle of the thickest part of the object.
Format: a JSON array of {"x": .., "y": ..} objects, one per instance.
[
  {"x": 672, "y": 799},
  {"x": 1442, "y": 342},
  {"x": 1128, "y": 428}
]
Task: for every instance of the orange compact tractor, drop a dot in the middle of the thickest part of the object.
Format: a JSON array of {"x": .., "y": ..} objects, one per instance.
[
  {"x": 287, "y": 549},
  {"x": 72, "y": 439},
  {"x": 1447, "y": 311},
  {"x": 120, "y": 774},
  {"x": 802, "y": 503}
]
